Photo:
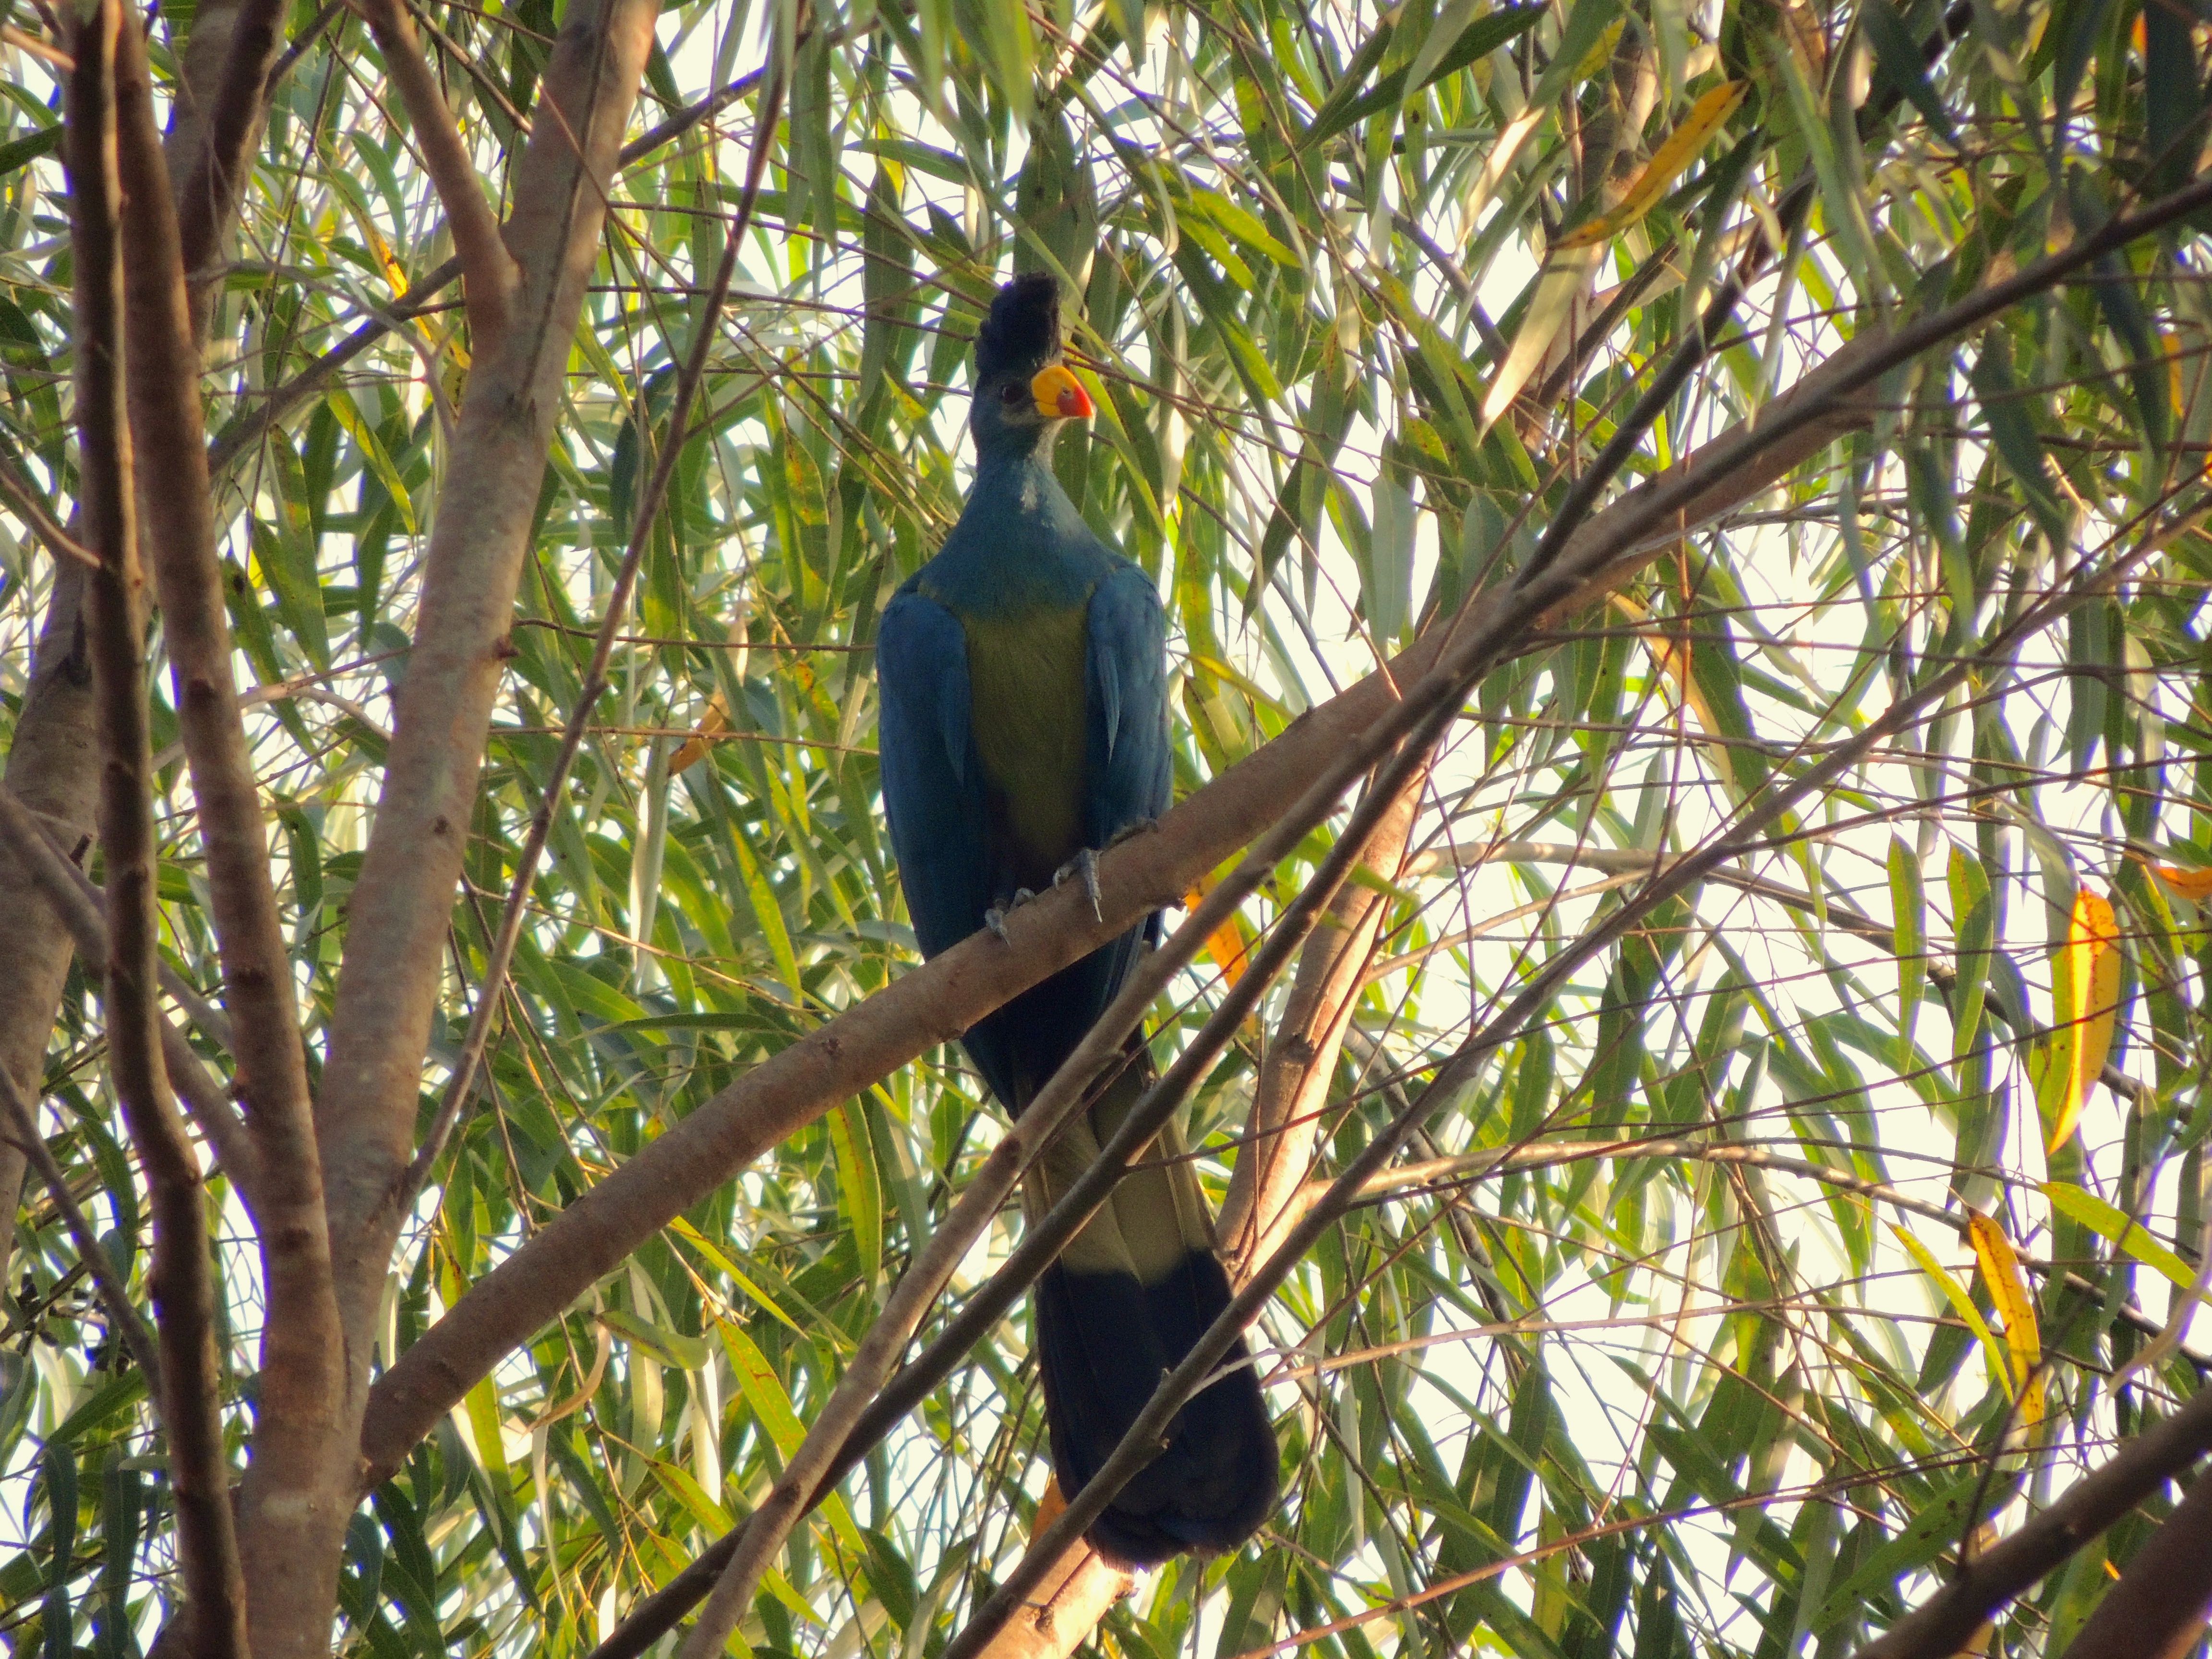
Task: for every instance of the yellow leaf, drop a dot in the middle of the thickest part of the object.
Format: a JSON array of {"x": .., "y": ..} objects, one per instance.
[
  {"x": 1601, "y": 54},
  {"x": 394, "y": 272},
  {"x": 2009, "y": 1291},
  {"x": 2085, "y": 997},
  {"x": 1962, "y": 1305},
  {"x": 1667, "y": 162}
]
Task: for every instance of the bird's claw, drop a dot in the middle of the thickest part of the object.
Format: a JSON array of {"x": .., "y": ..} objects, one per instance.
[
  {"x": 995, "y": 918},
  {"x": 1084, "y": 864}
]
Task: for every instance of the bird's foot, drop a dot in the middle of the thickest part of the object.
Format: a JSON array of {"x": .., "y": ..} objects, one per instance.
[
  {"x": 1141, "y": 827},
  {"x": 1085, "y": 865},
  {"x": 995, "y": 919}
]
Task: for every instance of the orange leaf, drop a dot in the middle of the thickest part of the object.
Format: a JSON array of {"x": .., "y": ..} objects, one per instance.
[
  {"x": 2195, "y": 886},
  {"x": 1226, "y": 944},
  {"x": 694, "y": 748}
]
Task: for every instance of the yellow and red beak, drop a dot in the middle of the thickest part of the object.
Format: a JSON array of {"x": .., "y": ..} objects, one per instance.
[{"x": 1060, "y": 396}]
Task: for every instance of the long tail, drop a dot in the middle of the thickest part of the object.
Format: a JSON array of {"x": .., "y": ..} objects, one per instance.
[{"x": 1121, "y": 1306}]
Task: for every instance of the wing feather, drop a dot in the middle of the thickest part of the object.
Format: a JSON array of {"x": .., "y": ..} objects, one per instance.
[{"x": 933, "y": 782}]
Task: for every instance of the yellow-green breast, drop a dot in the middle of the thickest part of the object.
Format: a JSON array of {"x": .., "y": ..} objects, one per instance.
[{"x": 1025, "y": 683}]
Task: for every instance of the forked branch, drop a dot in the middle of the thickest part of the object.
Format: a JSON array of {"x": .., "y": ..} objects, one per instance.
[{"x": 489, "y": 277}]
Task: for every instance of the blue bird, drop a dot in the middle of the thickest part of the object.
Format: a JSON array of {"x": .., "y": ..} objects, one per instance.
[{"x": 1024, "y": 679}]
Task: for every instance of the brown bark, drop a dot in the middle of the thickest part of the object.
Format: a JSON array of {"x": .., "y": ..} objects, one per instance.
[
  {"x": 1075, "y": 1593},
  {"x": 51, "y": 767},
  {"x": 233, "y": 46},
  {"x": 402, "y": 903},
  {"x": 183, "y": 1287},
  {"x": 487, "y": 273},
  {"x": 302, "y": 1370},
  {"x": 2158, "y": 1609},
  {"x": 1265, "y": 1194}
]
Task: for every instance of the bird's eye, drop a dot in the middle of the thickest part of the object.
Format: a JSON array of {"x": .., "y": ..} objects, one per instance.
[{"x": 1012, "y": 394}]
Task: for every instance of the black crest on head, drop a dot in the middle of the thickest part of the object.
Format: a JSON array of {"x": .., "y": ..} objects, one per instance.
[{"x": 1022, "y": 329}]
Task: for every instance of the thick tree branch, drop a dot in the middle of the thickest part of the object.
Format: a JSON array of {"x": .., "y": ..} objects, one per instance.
[
  {"x": 1073, "y": 1594},
  {"x": 183, "y": 1290},
  {"x": 2157, "y": 1610},
  {"x": 218, "y": 124},
  {"x": 488, "y": 275},
  {"x": 51, "y": 763},
  {"x": 302, "y": 1371},
  {"x": 1942, "y": 1625}
]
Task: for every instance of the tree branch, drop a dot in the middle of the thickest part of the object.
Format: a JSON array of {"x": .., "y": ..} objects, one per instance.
[
  {"x": 1264, "y": 1192},
  {"x": 23, "y": 1126},
  {"x": 2158, "y": 1609},
  {"x": 213, "y": 143},
  {"x": 82, "y": 909},
  {"x": 302, "y": 1370},
  {"x": 184, "y": 1297},
  {"x": 50, "y": 763},
  {"x": 1941, "y": 1625},
  {"x": 489, "y": 275}
]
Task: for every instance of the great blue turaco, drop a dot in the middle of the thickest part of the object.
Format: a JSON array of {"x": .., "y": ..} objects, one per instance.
[{"x": 1024, "y": 725}]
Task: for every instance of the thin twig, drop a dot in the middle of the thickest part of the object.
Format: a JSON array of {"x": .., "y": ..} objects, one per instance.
[
  {"x": 122, "y": 1318},
  {"x": 25, "y": 500},
  {"x": 184, "y": 1294},
  {"x": 10, "y": 35}
]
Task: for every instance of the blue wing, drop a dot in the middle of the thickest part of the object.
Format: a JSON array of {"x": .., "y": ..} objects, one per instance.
[
  {"x": 1131, "y": 774},
  {"x": 933, "y": 778}
]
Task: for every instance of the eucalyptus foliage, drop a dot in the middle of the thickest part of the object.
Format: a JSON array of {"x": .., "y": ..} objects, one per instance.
[{"x": 1661, "y": 1400}]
